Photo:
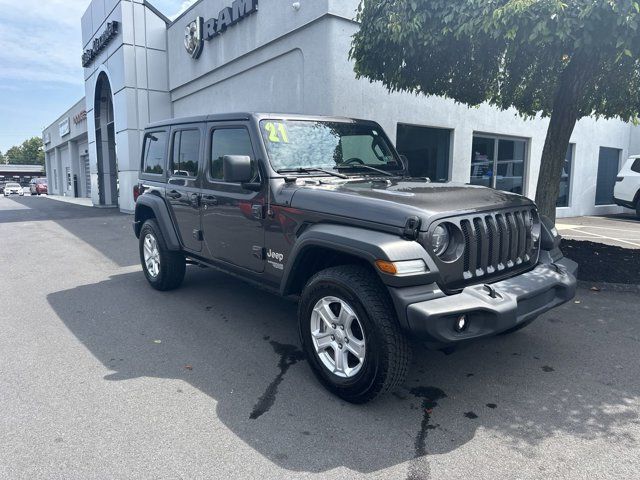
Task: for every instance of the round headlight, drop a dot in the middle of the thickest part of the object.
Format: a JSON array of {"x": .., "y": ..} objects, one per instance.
[{"x": 440, "y": 239}]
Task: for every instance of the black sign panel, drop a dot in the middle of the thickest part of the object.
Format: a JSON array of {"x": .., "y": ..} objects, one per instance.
[{"x": 99, "y": 43}]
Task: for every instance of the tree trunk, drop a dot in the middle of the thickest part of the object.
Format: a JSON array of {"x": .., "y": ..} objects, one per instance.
[
  {"x": 563, "y": 120},
  {"x": 554, "y": 153}
]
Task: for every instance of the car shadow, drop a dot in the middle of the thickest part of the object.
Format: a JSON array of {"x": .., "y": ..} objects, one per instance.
[
  {"x": 238, "y": 345},
  {"x": 623, "y": 217}
]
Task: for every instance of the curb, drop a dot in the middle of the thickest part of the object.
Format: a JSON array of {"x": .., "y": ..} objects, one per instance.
[{"x": 610, "y": 287}]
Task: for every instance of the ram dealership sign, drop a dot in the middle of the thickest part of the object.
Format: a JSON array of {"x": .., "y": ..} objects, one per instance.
[
  {"x": 99, "y": 43},
  {"x": 198, "y": 31}
]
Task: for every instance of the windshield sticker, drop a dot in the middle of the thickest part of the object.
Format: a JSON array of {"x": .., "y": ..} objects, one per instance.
[{"x": 277, "y": 132}]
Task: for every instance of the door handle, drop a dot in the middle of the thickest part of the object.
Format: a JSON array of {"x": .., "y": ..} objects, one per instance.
[
  {"x": 210, "y": 200},
  {"x": 174, "y": 194}
]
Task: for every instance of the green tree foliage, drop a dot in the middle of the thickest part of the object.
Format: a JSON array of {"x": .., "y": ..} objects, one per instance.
[
  {"x": 563, "y": 59},
  {"x": 31, "y": 152}
]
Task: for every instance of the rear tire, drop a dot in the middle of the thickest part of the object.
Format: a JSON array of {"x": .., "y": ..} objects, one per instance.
[
  {"x": 353, "y": 297},
  {"x": 163, "y": 268}
]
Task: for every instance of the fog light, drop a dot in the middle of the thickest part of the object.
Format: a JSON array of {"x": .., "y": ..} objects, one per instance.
[{"x": 461, "y": 324}]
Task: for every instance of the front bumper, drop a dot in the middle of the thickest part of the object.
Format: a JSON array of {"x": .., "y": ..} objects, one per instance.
[
  {"x": 512, "y": 302},
  {"x": 623, "y": 203}
]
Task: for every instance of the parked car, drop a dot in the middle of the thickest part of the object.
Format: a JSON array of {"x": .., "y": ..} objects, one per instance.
[
  {"x": 12, "y": 188},
  {"x": 38, "y": 186},
  {"x": 323, "y": 209},
  {"x": 2, "y": 184},
  {"x": 627, "y": 190}
]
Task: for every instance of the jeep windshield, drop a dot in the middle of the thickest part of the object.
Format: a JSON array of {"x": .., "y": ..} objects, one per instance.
[{"x": 311, "y": 146}]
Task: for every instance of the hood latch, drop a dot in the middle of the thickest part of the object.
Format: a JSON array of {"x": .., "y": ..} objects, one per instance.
[{"x": 411, "y": 228}]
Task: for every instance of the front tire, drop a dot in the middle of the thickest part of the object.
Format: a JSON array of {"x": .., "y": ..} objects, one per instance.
[
  {"x": 350, "y": 333},
  {"x": 163, "y": 268}
]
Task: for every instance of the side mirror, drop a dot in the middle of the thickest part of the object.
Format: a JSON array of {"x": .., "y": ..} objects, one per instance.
[
  {"x": 405, "y": 160},
  {"x": 236, "y": 168}
]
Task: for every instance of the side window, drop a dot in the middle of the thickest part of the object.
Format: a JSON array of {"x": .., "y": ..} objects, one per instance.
[
  {"x": 229, "y": 141},
  {"x": 154, "y": 147},
  {"x": 186, "y": 151},
  {"x": 636, "y": 165}
]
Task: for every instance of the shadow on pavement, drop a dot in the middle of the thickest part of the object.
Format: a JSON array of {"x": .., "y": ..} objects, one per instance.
[
  {"x": 238, "y": 345},
  {"x": 100, "y": 228},
  {"x": 623, "y": 217}
]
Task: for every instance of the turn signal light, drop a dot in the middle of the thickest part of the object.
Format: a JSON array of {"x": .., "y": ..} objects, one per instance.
[
  {"x": 387, "y": 267},
  {"x": 408, "y": 267}
]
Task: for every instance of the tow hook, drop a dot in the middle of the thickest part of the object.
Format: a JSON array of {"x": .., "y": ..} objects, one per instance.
[{"x": 492, "y": 291}]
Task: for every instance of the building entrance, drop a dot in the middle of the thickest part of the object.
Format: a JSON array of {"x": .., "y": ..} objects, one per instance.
[{"x": 108, "y": 188}]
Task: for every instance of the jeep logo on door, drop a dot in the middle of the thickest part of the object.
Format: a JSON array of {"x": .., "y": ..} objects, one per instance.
[{"x": 199, "y": 30}]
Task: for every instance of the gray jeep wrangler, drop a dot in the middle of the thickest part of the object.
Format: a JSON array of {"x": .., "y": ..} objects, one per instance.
[{"x": 323, "y": 210}]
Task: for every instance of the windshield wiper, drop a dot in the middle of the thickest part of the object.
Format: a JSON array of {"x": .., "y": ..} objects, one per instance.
[
  {"x": 311, "y": 170},
  {"x": 368, "y": 167}
]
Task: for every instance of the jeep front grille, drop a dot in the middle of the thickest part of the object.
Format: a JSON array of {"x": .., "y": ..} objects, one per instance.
[{"x": 495, "y": 243}]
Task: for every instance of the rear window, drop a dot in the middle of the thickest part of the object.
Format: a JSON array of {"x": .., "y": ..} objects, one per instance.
[
  {"x": 155, "y": 144},
  {"x": 41, "y": 181},
  {"x": 186, "y": 151},
  {"x": 635, "y": 166}
]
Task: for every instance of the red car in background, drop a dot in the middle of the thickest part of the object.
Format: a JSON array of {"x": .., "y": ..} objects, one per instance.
[{"x": 38, "y": 186}]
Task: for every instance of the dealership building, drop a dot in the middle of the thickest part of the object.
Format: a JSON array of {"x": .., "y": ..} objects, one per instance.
[{"x": 285, "y": 56}]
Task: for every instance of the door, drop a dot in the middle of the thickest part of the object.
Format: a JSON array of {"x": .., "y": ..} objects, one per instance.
[
  {"x": 87, "y": 175},
  {"x": 232, "y": 216},
  {"x": 183, "y": 186},
  {"x": 608, "y": 168}
]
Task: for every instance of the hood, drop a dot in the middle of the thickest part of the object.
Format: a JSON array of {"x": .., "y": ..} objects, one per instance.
[{"x": 392, "y": 201}]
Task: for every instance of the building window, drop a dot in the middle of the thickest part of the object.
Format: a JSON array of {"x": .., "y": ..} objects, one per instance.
[
  {"x": 186, "y": 151},
  {"x": 154, "y": 147},
  {"x": 68, "y": 172},
  {"x": 608, "y": 168},
  {"x": 498, "y": 162},
  {"x": 565, "y": 178},
  {"x": 228, "y": 141},
  {"x": 427, "y": 150}
]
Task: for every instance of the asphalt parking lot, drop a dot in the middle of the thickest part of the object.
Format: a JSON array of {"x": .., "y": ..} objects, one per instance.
[
  {"x": 103, "y": 377},
  {"x": 621, "y": 230}
]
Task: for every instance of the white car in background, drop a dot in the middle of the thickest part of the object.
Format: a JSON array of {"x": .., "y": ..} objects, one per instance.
[
  {"x": 12, "y": 188},
  {"x": 627, "y": 190}
]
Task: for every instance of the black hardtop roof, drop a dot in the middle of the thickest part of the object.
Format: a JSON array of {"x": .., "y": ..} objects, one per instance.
[{"x": 239, "y": 116}]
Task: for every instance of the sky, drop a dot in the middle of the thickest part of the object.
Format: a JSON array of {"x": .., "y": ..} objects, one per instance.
[{"x": 40, "y": 70}]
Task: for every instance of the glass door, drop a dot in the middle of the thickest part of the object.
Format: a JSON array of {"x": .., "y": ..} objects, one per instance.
[{"x": 498, "y": 163}]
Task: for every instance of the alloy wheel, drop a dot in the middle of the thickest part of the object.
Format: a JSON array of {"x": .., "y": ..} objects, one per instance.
[
  {"x": 338, "y": 337},
  {"x": 151, "y": 255}
]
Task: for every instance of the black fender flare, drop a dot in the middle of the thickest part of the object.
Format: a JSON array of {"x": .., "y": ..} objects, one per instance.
[
  {"x": 367, "y": 245},
  {"x": 161, "y": 213}
]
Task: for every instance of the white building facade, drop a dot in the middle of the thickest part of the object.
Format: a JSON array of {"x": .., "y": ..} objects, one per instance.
[
  {"x": 292, "y": 57},
  {"x": 67, "y": 154}
]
